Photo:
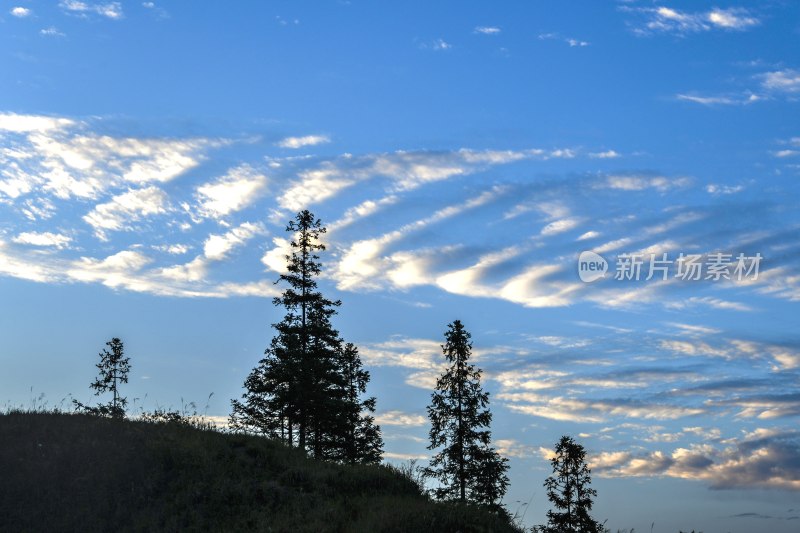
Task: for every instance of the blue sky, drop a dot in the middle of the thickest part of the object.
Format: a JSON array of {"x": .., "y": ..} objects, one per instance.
[{"x": 462, "y": 156}]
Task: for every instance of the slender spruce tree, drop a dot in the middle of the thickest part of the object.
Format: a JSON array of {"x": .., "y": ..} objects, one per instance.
[
  {"x": 568, "y": 489},
  {"x": 113, "y": 370},
  {"x": 361, "y": 441},
  {"x": 466, "y": 467},
  {"x": 297, "y": 392}
]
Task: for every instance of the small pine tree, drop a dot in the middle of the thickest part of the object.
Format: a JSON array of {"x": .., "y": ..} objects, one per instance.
[
  {"x": 568, "y": 489},
  {"x": 113, "y": 370},
  {"x": 467, "y": 468}
]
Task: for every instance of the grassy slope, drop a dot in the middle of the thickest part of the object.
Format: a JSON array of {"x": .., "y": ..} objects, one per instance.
[{"x": 62, "y": 472}]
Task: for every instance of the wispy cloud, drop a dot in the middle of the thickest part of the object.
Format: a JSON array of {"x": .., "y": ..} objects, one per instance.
[
  {"x": 608, "y": 154},
  {"x": 719, "y": 99},
  {"x": 45, "y": 238},
  {"x": 126, "y": 208},
  {"x": 300, "y": 142},
  {"x": 157, "y": 10},
  {"x": 236, "y": 190},
  {"x": 405, "y": 171},
  {"x": 640, "y": 183},
  {"x": 487, "y": 30},
  {"x": 781, "y": 81},
  {"x": 51, "y": 31},
  {"x": 217, "y": 247},
  {"x": 437, "y": 45},
  {"x": 572, "y": 42},
  {"x": 715, "y": 188},
  {"x": 363, "y": 260},
  {"x": 63, "y": 158},
  {"x": 663, "y": 19},
  {"x": 111, "y": 10},
  {"x": 400, "y": 418}
]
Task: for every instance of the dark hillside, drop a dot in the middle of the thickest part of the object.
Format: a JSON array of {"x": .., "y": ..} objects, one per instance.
[{"x": 61, "y": 472}]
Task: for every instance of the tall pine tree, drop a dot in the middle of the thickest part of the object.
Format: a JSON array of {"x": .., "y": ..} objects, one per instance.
[
  {"x": 466, "y": 468},
  {"x": 297, "y": 393}
]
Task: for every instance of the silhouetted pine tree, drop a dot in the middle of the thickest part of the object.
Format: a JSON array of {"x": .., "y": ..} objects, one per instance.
[
  {"x": 568, "y": 489},
  {"x": 296, "y": 393},
  {"x": 113, "y": 370},
  {"x": 467, "y": 468},
  {"x": 362, "y": 441}
]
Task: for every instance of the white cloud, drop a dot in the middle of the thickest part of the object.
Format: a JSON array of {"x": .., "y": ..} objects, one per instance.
[
  {"x": 405, "y": 171},
  {"x": 117, "y": 271},
  {"x": 487, "y": 30},
  {"x": 363, "y": 263},
  {"x": 572, "y": 42},
  {"x": 361, "y": 211},
  {"x": 640, "y": 183},
  {"x": 536, "y": 288},
  {"x": 743, "y": 99},
  {"x": 714, "y": 188},
  {"x": 400, "y": 418},
  {"x": 588, "y": 410},
  {"x": 300, "y": 142},
  {"x": 51, "y": 31},
  {"x": 239, "y": 188},
  {"x": 560, "y": 226},
  {"x": 21, "y": 12},
  {"x": 172, "y": 249},
  {"x": 514, "y": 448},
  {"x": 22, "y": 268},
  {"x": 417, "y": 354},
  {"x": 709, "y": 301},
  {"x": 126, "y": 270},
  {"x": 694, "y": 329},
  {"x": 58, "y": 157},
  {"x": 664, "y": 19},
  {"x": 706, "y": 100},
  {"x": 589, "y": 235},
  {"x": 38, "y": 208},
  {"x": 31, "y": 123},
  {"x": 608, "y": 154},
  {"x": 787, "y": 80},
  {"x": 735, "y": 19},
  {"x": 217, "y": 247},
  {"x": 404, "y": 456},
  {"x": 112, "y": 10},
  {"x": 576, "y": 42},
  {"x": 125, "y": 208},
  {"x": 441, "y": 44},
  {"x": 764, "y": 458},
  {"x": 275, "y": 258},
  {"x": 46, "y": 238}
]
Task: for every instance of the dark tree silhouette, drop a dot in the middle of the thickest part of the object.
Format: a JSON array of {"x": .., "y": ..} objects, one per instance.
[
  {"x": 467, "y": 468},
  {"x": 362, "y": 441},
  {"x": 568, "y": 489},
  {"x": 113, "y": 370},
  {"x": 298, "y": 391}
]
